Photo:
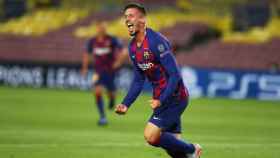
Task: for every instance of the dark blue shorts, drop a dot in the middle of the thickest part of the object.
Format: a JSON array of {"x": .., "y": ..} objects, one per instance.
[
  {"x": 107, "y": 80},
  {"x": 168, "y": 117}
]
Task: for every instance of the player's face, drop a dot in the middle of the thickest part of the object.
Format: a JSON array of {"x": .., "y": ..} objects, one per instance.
[
  {"x": 101, "y": 29},
  {"x": 133, "y": 20}
]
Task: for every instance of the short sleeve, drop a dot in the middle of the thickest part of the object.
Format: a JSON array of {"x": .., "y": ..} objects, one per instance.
[
  {"x": 89, "y": 46},
  {"x": 117, "y": 43}
]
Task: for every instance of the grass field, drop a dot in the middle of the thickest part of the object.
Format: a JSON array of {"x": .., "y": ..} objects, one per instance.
[{"x": 41, "y": 123}]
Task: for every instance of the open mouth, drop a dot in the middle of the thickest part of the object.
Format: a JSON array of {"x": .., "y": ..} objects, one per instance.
[{"x": 130, "y": 27}]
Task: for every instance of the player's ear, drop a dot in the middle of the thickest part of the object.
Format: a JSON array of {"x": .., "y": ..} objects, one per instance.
[{"x": 142, "y": 20}]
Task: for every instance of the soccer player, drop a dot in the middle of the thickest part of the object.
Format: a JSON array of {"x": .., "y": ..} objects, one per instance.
[
  {"x": 151, "y": 55},
  {"x": 105, "y": 50}
]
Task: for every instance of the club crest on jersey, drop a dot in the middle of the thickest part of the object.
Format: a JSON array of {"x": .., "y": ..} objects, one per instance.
[{"x": 146, "y": 55}]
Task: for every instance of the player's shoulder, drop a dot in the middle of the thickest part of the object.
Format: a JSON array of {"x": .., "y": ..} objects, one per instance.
[
  {"x": 112, "y": 37},
  {"x": 158, "y": 43},
  {"x": 91, "y": 40},
  {"x": 156, "y": 36},
  {"x": 115, "y": 40},
  {"x": 131, "y": 48},
  {"x": 130, "y": 43}
]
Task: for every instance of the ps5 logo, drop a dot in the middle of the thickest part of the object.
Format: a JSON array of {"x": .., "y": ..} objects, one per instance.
[{"x": 230, "y": 84}]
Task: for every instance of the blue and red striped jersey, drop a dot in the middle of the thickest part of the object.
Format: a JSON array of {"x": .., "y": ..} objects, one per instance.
[
  {"x": 104, "y": 53},
  {"x": 154, "y": 61}
]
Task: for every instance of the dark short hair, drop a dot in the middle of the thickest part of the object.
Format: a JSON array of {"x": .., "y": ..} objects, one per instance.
[{"x": 138, "y": 6}]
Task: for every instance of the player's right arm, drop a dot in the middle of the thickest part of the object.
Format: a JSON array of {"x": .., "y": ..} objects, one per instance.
[
  {"x": 85, "y": 62},
  {"x": 86, "y": 57},
  {"x": 133, "y": 92}
]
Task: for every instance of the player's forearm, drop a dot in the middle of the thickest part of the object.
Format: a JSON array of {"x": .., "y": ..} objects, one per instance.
[
  {"x": 170, "y": 88},
  {"x": 134, "y": 91},
  {"x": 172, "y": 69},
  {"x": 85, "y": 62},
  {"x": 123, "y": 55}
]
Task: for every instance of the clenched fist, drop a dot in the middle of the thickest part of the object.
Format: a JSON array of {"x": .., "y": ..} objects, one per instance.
[
  {"x": 121, "y": 109},
  {"x": 154, "y": 103}
]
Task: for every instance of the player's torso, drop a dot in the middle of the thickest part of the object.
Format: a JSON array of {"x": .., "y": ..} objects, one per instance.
[
  {"x": 103, "y": 54},
  {"x": 147, "y": 61},
  {"x": 102, "y": 48}
]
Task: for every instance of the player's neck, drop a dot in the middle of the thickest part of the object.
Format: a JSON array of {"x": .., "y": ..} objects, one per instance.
[
  {"x": 101, "y": 37},
  {"x": 140, "y": 37}
]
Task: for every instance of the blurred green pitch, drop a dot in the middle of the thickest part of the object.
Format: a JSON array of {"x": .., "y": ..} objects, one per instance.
[{"x": 42, "y": 123}]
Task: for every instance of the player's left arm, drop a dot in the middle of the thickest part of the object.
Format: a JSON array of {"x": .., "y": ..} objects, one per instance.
[
  {"x": 121, "y": 58},
  {"x": 121, "y": 53},
  {"x": 133, "y": 92},
  {"x": 86, "y": 58},
  {"x": 164, "y": 53},
  {"x": 169, "y": 63}
]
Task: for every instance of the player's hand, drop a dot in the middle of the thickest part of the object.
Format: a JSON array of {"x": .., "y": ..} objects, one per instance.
[
  {"x": 155, "y": 103},
  {"x": 121, "y": 109},
  {"x": 84, "y": 72},
  {"x": 95, "y": 78},
  {"x": 116, "y": 65}
]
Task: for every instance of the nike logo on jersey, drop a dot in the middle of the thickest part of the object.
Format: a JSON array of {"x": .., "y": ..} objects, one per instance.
[{"x": 156, "y": 118}]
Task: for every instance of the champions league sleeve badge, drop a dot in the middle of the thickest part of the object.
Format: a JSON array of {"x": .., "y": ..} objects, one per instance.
[
  {"x": 161, "y": 48},
  {"x": 162, "y": 51}
]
